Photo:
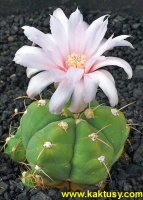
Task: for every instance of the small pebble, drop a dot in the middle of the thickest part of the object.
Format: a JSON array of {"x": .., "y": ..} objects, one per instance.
[{"x": 10, "y": 39}]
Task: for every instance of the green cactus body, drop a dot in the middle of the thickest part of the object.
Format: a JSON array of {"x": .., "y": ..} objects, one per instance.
[
  {"x": 76, "y": 150},
  {"x": 15, "y": 147}
]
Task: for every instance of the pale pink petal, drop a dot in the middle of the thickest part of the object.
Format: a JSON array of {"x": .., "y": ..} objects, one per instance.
[
  {"x": 120, "y": 41},
  {"x": 86, "y": 25},
  {"x": 32, "y": 33},
  {"x": 102, "y": 42},
  {"x": 60, "y": 36},
  {"x": 106, "y": 84},
  {"x": 31, "y": 71},
  {"x": 104, "y": 46},
  {"x": 50, "y": 36},
  {"x": 79, "y": 40},
  {"x": 89, "y": 63},
  {"x": 113, "y": 42},
  {"x": 65, "y": 89},
  {"x": 30, "y": 49},
  {"x": 74, "y": 75},
  {"x": 59, "y": 14},
  {"x": 48, "y": 44},
  {"x": 93, "y": 27},
  {"x": 95, "y": 34},
  {"x": 33, "y": 57},
  {"x": 61, "y": 96},
  {"x": 57, "y": 74},
  {"x": 114, "y": 61},
  {"x": 50, "y": 47},
  {"x": 109, "y": 75},
  {"x": 99, "y": 37},
  {"x": 38, "y": 83},
  {"x": 90, "y": 87},
  {"x": 45, "y": 41},
  {"x": 75, "y": 19},
  {"x": 77, "y": 101},
  {"x": 91, "y": 84}
]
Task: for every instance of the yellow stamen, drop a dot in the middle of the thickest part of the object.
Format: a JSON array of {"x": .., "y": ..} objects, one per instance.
[{"x": 76, "y": 60}]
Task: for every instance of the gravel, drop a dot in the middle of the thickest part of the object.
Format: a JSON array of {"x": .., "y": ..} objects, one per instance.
[{"x": 127, "y": 173}]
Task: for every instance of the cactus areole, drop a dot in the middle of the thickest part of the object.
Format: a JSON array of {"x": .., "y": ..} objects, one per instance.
[{"x": 73, "y": 150}]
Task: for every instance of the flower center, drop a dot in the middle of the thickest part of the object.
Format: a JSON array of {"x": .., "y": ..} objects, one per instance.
[{"x": 76, "y": 60}]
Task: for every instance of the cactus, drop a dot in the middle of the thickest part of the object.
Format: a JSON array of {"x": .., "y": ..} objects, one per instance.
[{"x": 73, "y": 150}]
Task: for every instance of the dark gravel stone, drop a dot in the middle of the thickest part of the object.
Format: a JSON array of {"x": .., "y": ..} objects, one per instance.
[
  {"x": 6, "y": 196},
  {"x": 138, "y": 155},
  {"x": 40, "y": 196},
  {"x": 52, "y": 193},
  {"x": 3, "y": 23},
  {"x": 91, "y": 188},
  {"x": 136, "y": 25},
  {"x": 46, "y": 21},
  {"x": 1, "y": 198},
  {"x": 3, "y": 187},
  {"x": 21, "y": 21},
  {"x": 138, "y": 92},
  {"x": 134, "y": 170},
  {"x": 138, "y": 73},
  {"x": 22, "y": 196}
]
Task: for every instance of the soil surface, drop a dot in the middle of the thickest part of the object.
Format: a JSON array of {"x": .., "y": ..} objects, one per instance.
[
  {"x": 127, "y": 173},
  {"x": 132, "y": 7}
]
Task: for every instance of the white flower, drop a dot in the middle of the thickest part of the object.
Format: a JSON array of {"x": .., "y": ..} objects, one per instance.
[{"x": 72, "y": 55}]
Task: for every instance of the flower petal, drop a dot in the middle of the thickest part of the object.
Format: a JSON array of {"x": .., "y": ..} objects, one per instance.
[
  {"x": 49, "y": 46},
  {"x": 89, "y": 63},
  {"x": 114, "y": 61},
  {"x": 75, "y": 19},
  {"x": 60, "y": 15},
  {"x": 57, "y": 74},
  {"x": 65, "y": 89},
  {"x": 77, "y": 102},
  {"x": 90, "y": 87},
  {"x": 46, "y": 41},
  {"x": 95, "y": 34},
  {"x": 59, "y": 35},
  {"x": 61, "y": 96},
  {"x": 104, "y": 46},
  {"x": 86, "y": 25},
  {"x": 109, "y": 75},
  {"x": 79, "y": 38},
  {"x": 33, "y": 57},
  {"x": 38, "y": 83},
  {"x": 31, "y": 71},
  {"x": 32, "y": 33},
  {"x": 113, "y": 42},
  {"x": 120, "y": 41},
  {"x": 74, "y": 75},
  {"x": 106, "y": 84}
]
